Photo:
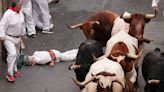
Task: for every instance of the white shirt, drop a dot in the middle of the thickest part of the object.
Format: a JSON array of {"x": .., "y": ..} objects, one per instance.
[
  {"x": 43, "y": 57},
  {"x": 12, "y": 23},
  {"x": 155, "y": 3}
]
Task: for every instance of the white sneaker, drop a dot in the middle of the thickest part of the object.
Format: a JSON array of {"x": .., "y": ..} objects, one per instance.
[{"x": 47, "y": 32}]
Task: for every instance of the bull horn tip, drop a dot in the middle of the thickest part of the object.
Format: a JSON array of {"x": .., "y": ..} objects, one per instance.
[
  {"x": 69, "y": 26},
  {"x": 97, "y": 22},
  {"x": 75, "y": 26},
  {"x": 149, "y": 16},
  {"x": 69, "y": 68},
  {"x": 77, "y": 82},
  {"x": 154, "y": 81},
  {"x": 126, "y": 15}
]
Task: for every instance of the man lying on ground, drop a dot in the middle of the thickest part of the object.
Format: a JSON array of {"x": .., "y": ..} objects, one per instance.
[{"x": 50, "y": 57}]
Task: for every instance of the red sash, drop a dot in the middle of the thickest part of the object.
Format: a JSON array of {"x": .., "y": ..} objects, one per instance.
[{"x": 52, "y": 54}]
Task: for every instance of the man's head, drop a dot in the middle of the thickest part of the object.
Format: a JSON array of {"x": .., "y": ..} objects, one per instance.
[
  {"x": 29, "y": 60},
  {"x": 16, "y": 5}
]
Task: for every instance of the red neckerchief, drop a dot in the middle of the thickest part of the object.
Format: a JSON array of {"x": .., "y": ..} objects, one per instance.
[{"x": 13, "y": 9}]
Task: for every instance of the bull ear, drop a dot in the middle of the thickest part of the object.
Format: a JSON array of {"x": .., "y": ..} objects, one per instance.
[
  {"x": 147, "y": 20},
  {"x": 126, "y": 16},
  {"x": 157, "y": 49},
  {"x": 94, "y": 57},
  {"x": 127, "y": 20}
]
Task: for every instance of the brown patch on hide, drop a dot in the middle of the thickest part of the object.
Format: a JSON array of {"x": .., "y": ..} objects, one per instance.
[
  {"x": 102, "y": 31},
  {"x": 129, "y": 86},
  {"x": 118, "y": 49},
  {"x": 136, "y": 49},
  {"x": 129, "y": 64}
]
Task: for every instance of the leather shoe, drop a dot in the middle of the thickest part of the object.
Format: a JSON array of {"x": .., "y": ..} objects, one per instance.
[{"x": 32, "y": 36}]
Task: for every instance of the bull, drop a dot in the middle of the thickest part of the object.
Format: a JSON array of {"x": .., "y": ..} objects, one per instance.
[
  {"x": 104, "y": 24},
  {"x": 85, "y": 58},
  {"x": 123, "y": 48},
  {"x": 152, "y": 71},
  {"x": 104, "y": 75}
]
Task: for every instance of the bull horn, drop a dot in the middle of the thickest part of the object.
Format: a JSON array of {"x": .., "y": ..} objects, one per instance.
[
  {"x": 113, "y": 57},
  {"x": 149, "y": 16},
  {"x": 126, "y": 15},
  {"x": 75, "y": 26},
  {"x": 135, "y": 56},
  {"x": 82, "y": 84},
  {"x": 95, "y": 22},
  {"x": 94, "y": 57},
  {"x": 73, "y": 67},
  {"x": 154, "y": 81}
]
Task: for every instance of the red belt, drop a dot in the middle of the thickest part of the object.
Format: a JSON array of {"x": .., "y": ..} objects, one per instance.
[{"x": 52, "y": 54}]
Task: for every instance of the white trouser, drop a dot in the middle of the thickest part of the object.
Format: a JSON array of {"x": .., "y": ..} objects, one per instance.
[
  {"x": 12, "y": 53},
  {"x": 69, "y": 55},
  {"x": 41, "y": 14},
  {"x": 29, "y": 22}
]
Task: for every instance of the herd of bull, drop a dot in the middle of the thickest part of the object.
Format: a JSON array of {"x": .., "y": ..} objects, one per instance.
[{"x": 117, "y": 69}]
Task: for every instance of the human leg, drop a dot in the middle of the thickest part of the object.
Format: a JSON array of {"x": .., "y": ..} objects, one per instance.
[{"x": 11, "y": 58}]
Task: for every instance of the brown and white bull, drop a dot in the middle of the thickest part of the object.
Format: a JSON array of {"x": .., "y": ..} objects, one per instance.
[
  {"x": 104, "y": 75},
  {"x": 99, "y": 26},
  {"x": 123, "y": 48}
]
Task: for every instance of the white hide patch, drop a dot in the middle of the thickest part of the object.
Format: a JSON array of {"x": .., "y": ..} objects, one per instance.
[
  {"x": 124, "y": 37},
  {"x": 119, "y": 24},
  {"x": 132, "y": 75},
  {"x": 106, "y": 65}
]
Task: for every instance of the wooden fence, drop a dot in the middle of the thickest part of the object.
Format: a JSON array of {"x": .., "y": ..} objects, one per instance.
[{"x": 4, "y": 4}]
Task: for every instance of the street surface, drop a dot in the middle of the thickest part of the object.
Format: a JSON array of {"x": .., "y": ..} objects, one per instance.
[{"x": 68, "y": 12}]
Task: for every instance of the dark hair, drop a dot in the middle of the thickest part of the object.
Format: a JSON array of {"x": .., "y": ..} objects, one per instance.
[{"x": 13, "y": 4}]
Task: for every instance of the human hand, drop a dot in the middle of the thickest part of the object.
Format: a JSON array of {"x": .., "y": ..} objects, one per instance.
[
  {"x": 155, "y": 10},
  {"x": 52, "y": 64},
  {"x": 2, "y": 38}
]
